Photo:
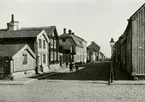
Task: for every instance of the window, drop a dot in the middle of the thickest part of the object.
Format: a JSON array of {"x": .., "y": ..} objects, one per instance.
[
  {"x": 40, "y": 43},
  {"x": 58, "y": 55},
  {"x": 54, "y": 55},
  {"x": 44, "y": 58},
  {"x": 63, "y": 40},
  {"x": 51, "y": 42},
  {"x": 25, "y": 59},
  {"x": 51, "y": 56},
  {"x": 44, "y": 45},
  {"x": 54, "y": 43}
]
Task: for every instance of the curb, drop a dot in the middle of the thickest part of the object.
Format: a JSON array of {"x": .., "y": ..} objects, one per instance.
[
  {"x": 26, "y": 82},
  {"x": 128, "y": 83}
]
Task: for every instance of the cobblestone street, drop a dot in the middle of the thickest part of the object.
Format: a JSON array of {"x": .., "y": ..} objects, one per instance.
[
  {"x": 71, "y": 91},
  {"x": 74, "y": 87}
]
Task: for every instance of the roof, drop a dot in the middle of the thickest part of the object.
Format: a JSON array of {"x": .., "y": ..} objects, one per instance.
[
  {"x": 48, "y": 29},
  {"x": 75, "y": 39},
  {"x": 80, "y": 38},
  {"x": 19, "y": 33},
  {"x": 94, "y": 46},
  {"x": 138, "y": 10},
  {"x": 25, "y": 32},
  {"x": 10, "y": 49}
]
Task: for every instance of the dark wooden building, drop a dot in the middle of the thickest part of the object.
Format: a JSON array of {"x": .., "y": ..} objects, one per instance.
[{"x": 130, "y": 47}]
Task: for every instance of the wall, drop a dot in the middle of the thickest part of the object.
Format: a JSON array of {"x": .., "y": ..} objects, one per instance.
[
  {"x": 42, "y": 51},
  {"x": 138, "y": 42},
  {"x": 18, "y": 62}
]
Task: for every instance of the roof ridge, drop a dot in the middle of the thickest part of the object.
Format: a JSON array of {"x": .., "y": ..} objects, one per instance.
[{"x": 37, "y": 27}]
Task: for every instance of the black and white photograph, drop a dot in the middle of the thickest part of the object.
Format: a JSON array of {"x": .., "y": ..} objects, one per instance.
[{"x": 72, "y": 51}]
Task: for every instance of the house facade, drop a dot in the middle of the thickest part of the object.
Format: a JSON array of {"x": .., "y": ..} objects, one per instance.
[
  {"x": 73, "y": 47},
  {"x": 101, "y": 56},
  {"x": 53, "y": 45},
  {"x": 16, "y": 60},
  {"x": 42, "y": 40},
  {"x": 93, "y": 51}
]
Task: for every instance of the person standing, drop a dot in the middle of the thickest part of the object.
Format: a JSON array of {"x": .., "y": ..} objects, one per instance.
[{"x": 71, "y": 67}]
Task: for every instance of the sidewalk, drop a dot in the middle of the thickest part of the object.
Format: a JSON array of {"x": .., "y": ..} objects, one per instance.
[
  {"x": 128, "y": 82},
  {"x": 26, "y": 80}
]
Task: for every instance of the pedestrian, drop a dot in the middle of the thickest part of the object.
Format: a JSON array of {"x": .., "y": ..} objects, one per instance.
[
  {"x": 71, "y": 67},
  {"x": 66, "y": 64},
  {"x": 76, "y": 66}
]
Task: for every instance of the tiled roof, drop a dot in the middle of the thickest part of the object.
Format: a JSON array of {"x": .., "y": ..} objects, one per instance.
[
  {"x": 75, "y": 39},
  {"x": 48, "y": 29},
  {"x": 10, "y": 49},
  {"x": 80, "y": 38},
  {"x": 19, "y": 33},
  {"x": 25, "y": 32}
]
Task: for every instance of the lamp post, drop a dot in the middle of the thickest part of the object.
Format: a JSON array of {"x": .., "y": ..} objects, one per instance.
[{"x": 111, "y": 65}]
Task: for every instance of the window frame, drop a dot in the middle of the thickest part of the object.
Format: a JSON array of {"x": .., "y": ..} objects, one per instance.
[
  {"x": 44, "y": 44},
  {"x": 25, "y": 59},
  {"x": 44, "y": 58},
  {"x": 40, "y": 43}
]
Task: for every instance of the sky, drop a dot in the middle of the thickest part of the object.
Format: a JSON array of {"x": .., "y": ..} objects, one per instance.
[{"x": 93, "y": 20}]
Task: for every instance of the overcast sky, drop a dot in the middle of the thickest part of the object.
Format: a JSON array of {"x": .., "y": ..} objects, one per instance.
[{"x": 93, "y": 20}]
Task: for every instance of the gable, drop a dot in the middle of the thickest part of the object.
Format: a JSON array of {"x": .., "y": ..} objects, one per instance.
[
  {"x": 43, "y": 34},
  {"x": 26, "y": 48}
]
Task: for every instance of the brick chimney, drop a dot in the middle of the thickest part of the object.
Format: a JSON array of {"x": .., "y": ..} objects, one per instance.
[
  {"x": 13, "y": 25},
  {"x": 72, "y": 33},
  {"x": 69, "y": 31},
  {"x": 64, "y": 30}
]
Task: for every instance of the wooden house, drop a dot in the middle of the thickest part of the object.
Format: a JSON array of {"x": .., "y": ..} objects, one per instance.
[
  {"x": 16, "y": 60},
  {"x": 42, "y": 40},
  {"x": 132, "y": 45}
]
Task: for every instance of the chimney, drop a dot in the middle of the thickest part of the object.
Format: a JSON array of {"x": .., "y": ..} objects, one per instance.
[
  {"x": 12, "y": 18},
  {"x": 64, "y": 30},
  {"x": 72, "y": 33},
  {"x": 69, "y": 32},
  {"x": 13, "y": 25},
  {"x": 93, "y": 42}
]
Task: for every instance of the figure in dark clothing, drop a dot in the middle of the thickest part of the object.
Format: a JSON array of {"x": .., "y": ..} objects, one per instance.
[
  {"x": 111, "y": 74},
  {"x": 66, "y": 64},
  {"x": 71, "y": 67},
  {"x": 76, "y": 66}
]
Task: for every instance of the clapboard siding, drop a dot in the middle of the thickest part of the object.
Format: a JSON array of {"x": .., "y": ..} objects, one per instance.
[{"x": 131, "y": 45}]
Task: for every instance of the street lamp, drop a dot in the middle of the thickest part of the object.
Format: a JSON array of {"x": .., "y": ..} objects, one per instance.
[{"x": 111, "y": 66}]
